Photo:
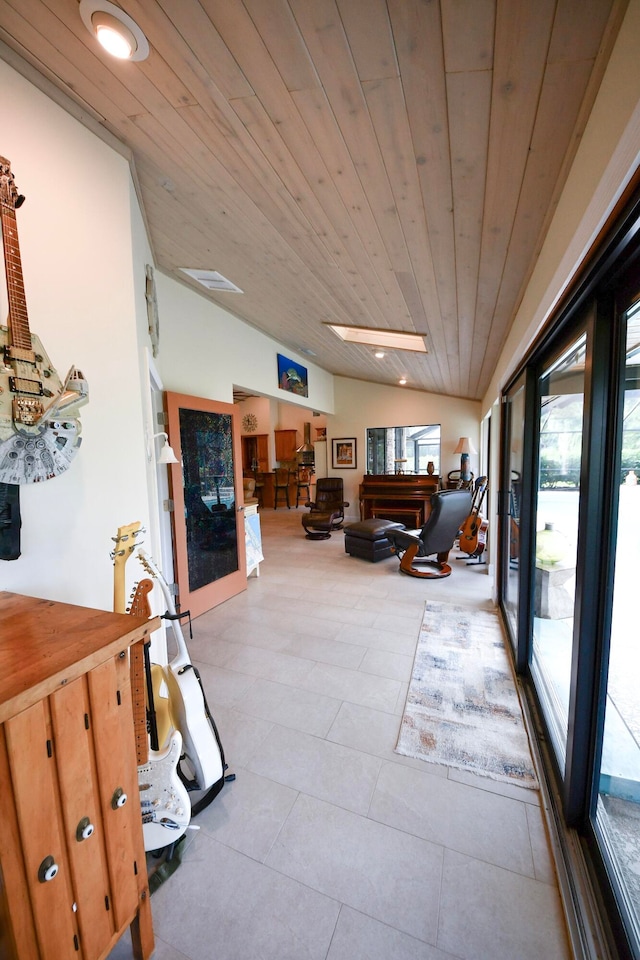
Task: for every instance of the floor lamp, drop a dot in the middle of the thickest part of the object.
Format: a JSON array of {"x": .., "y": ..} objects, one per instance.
[{"x": 464, "y": 448}]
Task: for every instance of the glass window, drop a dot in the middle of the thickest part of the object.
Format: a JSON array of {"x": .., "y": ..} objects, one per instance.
[
  {"x": 403, "y": 449},
  {"x": 209, "y": 500},
  {"x": 561, "y": 403},
  {"x": 511, "y": 551}
]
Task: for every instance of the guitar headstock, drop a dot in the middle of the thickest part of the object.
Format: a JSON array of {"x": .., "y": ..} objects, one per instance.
[
  {"x": 126, "y": 542},
  {"x": 9, "y": 196},
  {"x": 148, "y": 564},
  {"x": 139, "y": 606}
]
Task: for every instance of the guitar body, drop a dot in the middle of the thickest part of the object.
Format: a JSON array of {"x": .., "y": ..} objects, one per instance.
[
  {"x": 473, "y": 537},
  {"x": 473, "y": 533},
  {"x": 187, "y": 701},
  {"x": 190, "y": 716},
  {"x": 164, "y": 800},
  {"x": 166, "y": 808}
]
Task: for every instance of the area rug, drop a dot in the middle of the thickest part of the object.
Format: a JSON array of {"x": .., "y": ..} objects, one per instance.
[{"x": 462, "y": 707}]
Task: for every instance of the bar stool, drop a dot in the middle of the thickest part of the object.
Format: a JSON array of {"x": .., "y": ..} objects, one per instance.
[
  {"x": 281, "y": 486},
  {"x": 304, "y": 481}
]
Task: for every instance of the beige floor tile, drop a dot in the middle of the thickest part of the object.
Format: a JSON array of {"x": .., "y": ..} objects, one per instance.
[
  {"x": 487, "y": 913},
  {"x": 290, "y": 706},
  {"x": 328, "y": 771},
  {"x": 227, "y": 906},
  {"x": 483, "y": 825},
  {"x": 358, "y": 937},
  {"x": 381, "y": 872}
]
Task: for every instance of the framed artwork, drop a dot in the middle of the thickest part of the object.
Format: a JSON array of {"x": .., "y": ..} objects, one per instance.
[
  {"x": 292, "y": 377},
  {"x": 344, "y": 454}
]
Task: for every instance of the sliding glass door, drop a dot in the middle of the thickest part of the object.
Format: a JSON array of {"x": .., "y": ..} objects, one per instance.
[
  {"x": 570, "y": 562},
  {"x": 513, "y": 443},
  {"x": 617, "y": 820},
  {"x": 560, "y": 429}
]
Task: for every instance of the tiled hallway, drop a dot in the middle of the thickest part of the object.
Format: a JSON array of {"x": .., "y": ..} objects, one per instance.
[{"x": 328, "y": 844}]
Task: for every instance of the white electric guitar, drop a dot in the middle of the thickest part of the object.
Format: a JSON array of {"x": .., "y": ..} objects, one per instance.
[
  {"x": 164, "y": 800},
  {"x": 188, "y": 705}
]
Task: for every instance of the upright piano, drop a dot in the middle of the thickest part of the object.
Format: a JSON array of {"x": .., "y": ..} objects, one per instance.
[{"x": 404, "y": 497}]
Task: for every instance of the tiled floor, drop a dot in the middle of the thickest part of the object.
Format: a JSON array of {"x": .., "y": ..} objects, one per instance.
[{"x": 328, "y": 844}]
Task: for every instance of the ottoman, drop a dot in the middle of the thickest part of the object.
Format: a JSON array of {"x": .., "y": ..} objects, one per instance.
[
  {"x": 368, "y": 539},
  {"x": 318, "y": 526}
]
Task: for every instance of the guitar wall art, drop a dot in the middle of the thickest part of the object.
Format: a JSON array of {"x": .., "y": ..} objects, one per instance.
[{"x": 39, "y": 424}]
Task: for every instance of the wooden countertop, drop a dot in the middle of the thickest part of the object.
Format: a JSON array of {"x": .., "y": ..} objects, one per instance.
[{"x": 45, "y": 644}]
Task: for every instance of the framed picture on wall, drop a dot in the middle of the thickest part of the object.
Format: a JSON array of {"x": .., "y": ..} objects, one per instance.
[
  {"x": 292, "y": 376},
  {"x": 344, "y": 453}
]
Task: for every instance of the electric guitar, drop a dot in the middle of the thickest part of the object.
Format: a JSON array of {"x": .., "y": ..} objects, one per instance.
[
  {"x": 473, "y": 533},
  {"x": 164, "y": 801},
  {"x": 190, "y": 713},
  {"x": 39, "y": 428},
  {"x": 166, "y": 809}
]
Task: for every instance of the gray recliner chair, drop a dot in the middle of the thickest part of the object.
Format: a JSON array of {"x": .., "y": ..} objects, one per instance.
[{"x": 449, "y": 510}]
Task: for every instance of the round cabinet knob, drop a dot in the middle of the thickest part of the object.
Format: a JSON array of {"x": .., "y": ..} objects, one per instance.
[
  {"x": 48, "y": 870},
  {"x": 84, "y": 830},
  {"x": 118, "y": 799}
]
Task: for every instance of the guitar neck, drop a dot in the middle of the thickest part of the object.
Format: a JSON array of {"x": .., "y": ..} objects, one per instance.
[
  {"x": 138, "y": 697},
  {"x": 150, "y": 567},
  {"x": 18, "y": 319},
  {"x": 140, "y": 608}
]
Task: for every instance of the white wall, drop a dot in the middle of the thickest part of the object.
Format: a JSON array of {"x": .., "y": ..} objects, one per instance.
[
  {"x": 75, "y": 235},
  {"x": 205, "y": 352},
  {"x": 360, "y": 405}
]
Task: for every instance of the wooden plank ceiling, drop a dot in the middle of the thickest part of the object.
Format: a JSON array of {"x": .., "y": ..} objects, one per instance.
[{"x": 382, "y": 163}]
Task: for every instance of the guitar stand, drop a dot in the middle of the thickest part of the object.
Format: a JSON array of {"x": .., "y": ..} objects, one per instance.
[
  {"x": 171, "y": 856},
  {"x": 473, "y": 559}
]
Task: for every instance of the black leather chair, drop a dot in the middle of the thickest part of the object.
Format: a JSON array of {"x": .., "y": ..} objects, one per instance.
[
  {"x": 330, "y": 498},
  {"x": 449, "y": 510},
  {"x": 326, "y": 512}
]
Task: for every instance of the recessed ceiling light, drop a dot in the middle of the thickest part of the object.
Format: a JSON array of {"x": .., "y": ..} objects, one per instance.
[
  {"x": 211, "y": 279},
  {"x": 114, "y": 29},
  {"x": 402, "y": 381},
  {"x": 379, "y": 354},
  {"x": 391, "y": 339}
]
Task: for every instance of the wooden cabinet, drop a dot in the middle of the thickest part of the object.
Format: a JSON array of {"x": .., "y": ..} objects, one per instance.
[
  {"x": 255, "y": 450},
  {"x": 286, "y": 445},
  {"x": 73, "y": 872}
]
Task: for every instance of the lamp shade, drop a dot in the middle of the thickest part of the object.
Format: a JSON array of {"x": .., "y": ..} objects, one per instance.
[
  {"x": 166, "y": 455},
  {"x": 465, "y": 446}
]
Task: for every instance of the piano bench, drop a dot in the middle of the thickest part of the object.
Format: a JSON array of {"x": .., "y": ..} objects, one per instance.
[{"x": 367, "y": 539}]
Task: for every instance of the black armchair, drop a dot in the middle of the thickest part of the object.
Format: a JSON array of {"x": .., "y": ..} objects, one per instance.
[
  {"x": 330, "y": 498},
  {"x": 326, "y": 512},
  {"x": 449, "y": 510}
]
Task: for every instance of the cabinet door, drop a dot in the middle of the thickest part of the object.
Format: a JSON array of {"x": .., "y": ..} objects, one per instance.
[
  {"x": 113, "y": 736},
  {"x": 16, "y": 917},
  {"x": 75, "y": 760},
  {"x": 286, "y": 444},
  {"x": 36, "y": 795}
]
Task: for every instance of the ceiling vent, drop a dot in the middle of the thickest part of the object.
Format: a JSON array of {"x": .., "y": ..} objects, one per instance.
[{"x": 212, "y": 280}]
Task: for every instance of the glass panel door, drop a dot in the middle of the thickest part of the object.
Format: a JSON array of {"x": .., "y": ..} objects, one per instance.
[
  {"x": 514, "y": 442},
  {"x": 560, "y": 404},
  {"x": 208, "y": 514},
  {"x": 618, "y": 808}
]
